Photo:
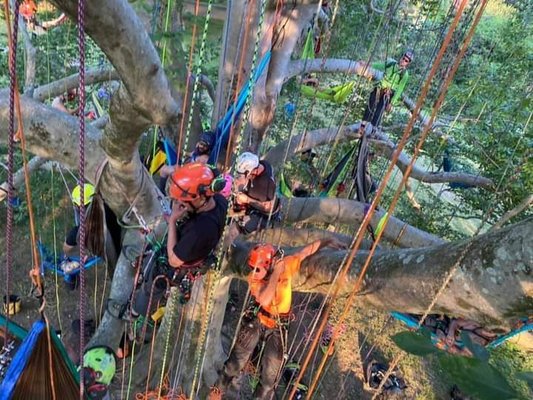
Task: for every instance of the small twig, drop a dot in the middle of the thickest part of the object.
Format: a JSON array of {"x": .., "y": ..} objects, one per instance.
[{"x": 523, "y": 205}]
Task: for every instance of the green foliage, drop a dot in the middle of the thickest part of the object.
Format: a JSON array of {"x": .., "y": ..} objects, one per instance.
[
  {"x": 415, "y": 342},
  {"x": 475, "y": 376}
]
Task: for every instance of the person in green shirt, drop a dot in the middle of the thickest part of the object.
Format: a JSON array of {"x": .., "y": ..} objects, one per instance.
[{"x": 388, "y": 90}]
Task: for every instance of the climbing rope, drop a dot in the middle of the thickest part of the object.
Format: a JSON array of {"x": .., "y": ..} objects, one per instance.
[
  {"x": 11, "y": 149},
  {"x": 346, "y": 263},
  {"x": 196, "y": 81},
  {"x": 406, "y": 174},
  {"x": 81, "y": 179}
]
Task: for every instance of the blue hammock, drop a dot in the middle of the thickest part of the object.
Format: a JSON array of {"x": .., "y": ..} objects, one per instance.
[
  {"x": 224, "y": 125},
  {"x": 412, "y": 323},
  {"x": 51, "y": 263}
]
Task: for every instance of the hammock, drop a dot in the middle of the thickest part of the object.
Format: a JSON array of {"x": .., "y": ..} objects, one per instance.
[
  {"x": 284, "y": 188},
  {"x": 412, "y": 323},
  {"x": 338, "y": 175},
  {"x": 165, "y": 154},
  {"x": 67, "y": 267},
  {"x": 224, "y": 125},
  {"x": 336, "y": 94},
  {"x": 31, "y": 376}
]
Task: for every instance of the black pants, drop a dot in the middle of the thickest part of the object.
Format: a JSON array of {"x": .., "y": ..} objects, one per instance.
[
  {"x": 154, "y": 271},
  {"x": 377, "y": 103},
  {"x": 252, "y": 333}
]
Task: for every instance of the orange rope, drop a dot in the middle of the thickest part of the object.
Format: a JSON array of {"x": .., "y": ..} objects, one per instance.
[
  {"x": 187, "y": 84},
  {"x": 239, "y": 81},
  {"x": 366, "y": 221},
  {"x": 165, "y": 392},
  {"x": 35, "y": 272}
]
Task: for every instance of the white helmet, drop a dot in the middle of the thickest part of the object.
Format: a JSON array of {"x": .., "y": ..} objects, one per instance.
[{"x": 246, "y": 163}]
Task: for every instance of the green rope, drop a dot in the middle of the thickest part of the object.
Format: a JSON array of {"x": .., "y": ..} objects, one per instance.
[
  {"x": 197, "y": 77},
  {"x": 170, "y": 306},
  {"x": 200, "y": 351}
]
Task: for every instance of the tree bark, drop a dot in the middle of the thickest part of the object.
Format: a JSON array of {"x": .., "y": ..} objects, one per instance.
[
  {"x": 132, "y": 53},
  {"x": 381, "y": 143},
  {"x": 493, "y": 282},
  {"x": 351, "y": 213}
]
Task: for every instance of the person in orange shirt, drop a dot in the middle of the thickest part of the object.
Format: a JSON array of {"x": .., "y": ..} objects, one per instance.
[{"x": 266, "y": 320}]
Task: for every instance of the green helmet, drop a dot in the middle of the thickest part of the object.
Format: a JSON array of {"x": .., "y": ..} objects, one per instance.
[{"x": 101, "y": 360}]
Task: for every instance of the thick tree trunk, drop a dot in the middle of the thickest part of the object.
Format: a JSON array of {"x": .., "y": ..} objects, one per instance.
[{"x": 287, "y": 31}]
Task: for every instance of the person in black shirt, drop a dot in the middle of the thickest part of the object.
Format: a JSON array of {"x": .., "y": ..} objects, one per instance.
[
  {"x": 256, "y": 202},
  {"x": 196, "y": 224}
]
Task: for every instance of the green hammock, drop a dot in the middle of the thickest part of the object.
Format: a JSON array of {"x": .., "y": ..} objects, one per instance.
[
  {"x": 284, "y": 188},
  {"x": 336, "y": 94},
  {"x": 338, "y": 174}
]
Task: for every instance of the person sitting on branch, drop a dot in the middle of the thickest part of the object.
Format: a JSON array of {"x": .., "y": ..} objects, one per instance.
[
  {"x": 266, "y": 320},
  {"x": 255, "y": 202},
  {"x": 195, "y": 224},
  {"x": 388, "y": 90}
]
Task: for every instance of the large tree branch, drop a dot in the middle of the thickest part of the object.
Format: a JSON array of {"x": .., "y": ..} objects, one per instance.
[
  {"x": 52, "y": 134},
  {"x": 18, "y": 177},
  {"x": 132, "y": 53},
  {"x": 30, "y": 52},
  {"x": 387, "y": 149},
  {"x": 92, "y": 76},
  {"x": 298, "y": 143},
  {"x": 351, "y": 212},
  {"x": 333, "y": 65},
  {"x": 493, "y": 283}
]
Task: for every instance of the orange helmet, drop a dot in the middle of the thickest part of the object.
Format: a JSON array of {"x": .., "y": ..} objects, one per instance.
[
  {"x": 261, "y": 256},
  {"x": 190, "y": 181}
]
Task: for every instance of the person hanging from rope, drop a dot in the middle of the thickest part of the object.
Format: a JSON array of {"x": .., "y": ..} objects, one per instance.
[
  {"x": 255, "y": 201},
  {"x": 111, "y": 229},
  {"x": 195, "y": 224},
  {"x": 28, "y": 11},
  {"x": 266, "y": 320},
  {"x": 388, "y": 90}
]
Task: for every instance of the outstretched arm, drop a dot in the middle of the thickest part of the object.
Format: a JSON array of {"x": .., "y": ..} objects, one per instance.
[{"x": 312, "y": 248}]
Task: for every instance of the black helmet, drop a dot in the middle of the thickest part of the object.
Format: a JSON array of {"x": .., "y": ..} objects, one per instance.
[
  {"x": 409, "y": 54},
  {"x": 208, "y": 138}
]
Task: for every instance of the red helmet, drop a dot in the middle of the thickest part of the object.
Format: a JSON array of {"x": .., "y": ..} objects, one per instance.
[
  {"x": 261, "y": 256},
  {"x": 190, "y": 181}
]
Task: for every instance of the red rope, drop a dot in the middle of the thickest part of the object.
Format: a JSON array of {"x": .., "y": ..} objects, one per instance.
[
  {"x": 12, "y": 37},
  {"x": 81, "y": 168}
]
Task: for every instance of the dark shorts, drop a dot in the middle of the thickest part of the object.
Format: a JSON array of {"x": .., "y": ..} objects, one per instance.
[{"x": 256, "y": 221}]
